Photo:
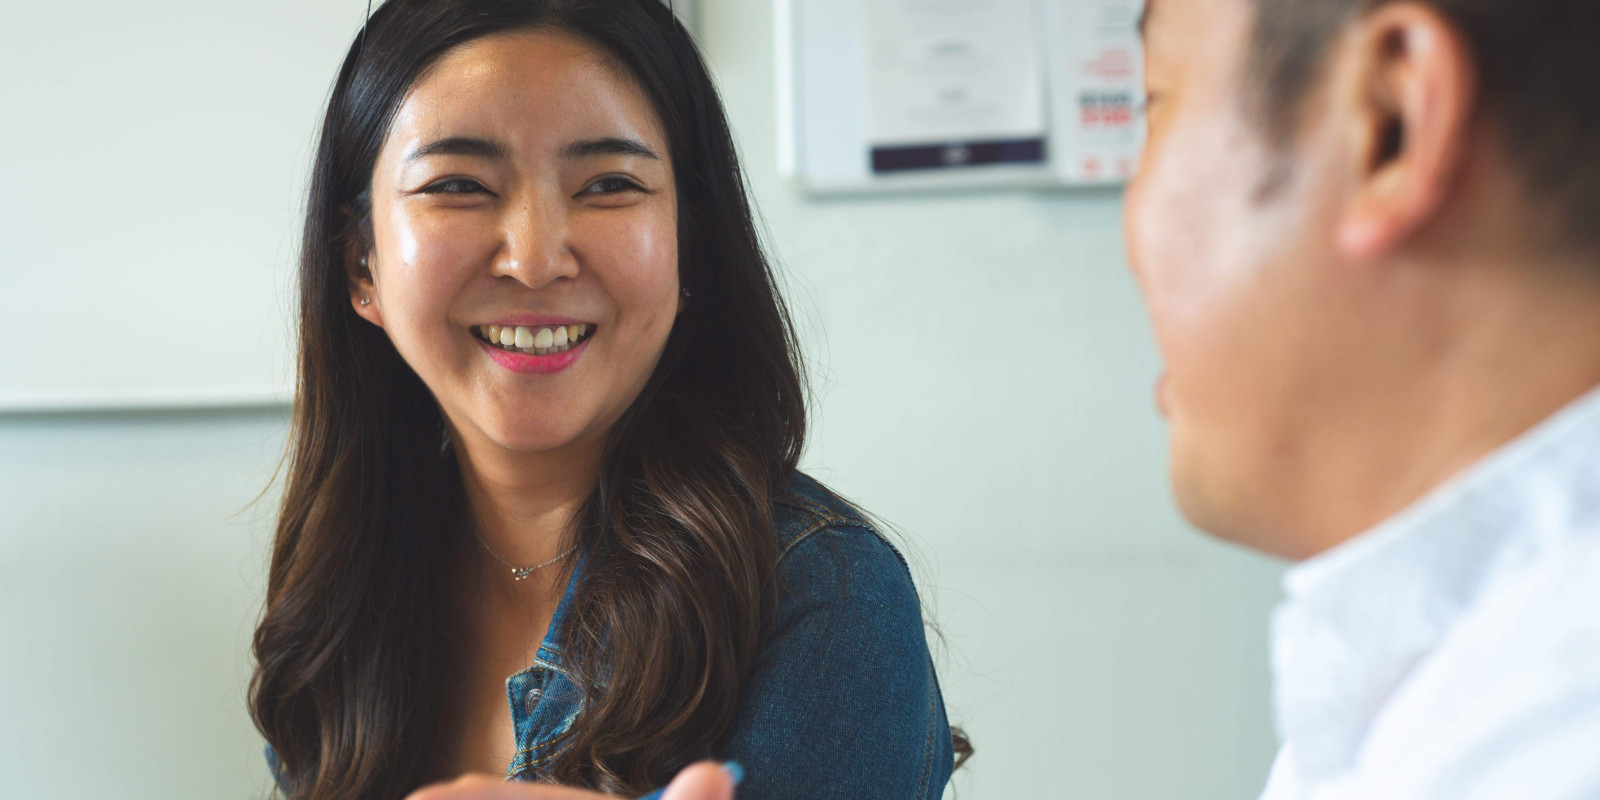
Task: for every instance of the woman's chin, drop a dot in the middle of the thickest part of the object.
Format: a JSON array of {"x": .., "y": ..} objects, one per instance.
[
  {"x": 530, "y": 439},
  {"x": 526, "y": 427}
]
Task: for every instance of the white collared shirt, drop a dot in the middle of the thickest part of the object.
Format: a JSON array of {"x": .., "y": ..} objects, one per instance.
[{"x": 1453, "y": 652}]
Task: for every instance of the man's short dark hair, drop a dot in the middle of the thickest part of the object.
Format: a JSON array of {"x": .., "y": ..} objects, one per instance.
[{"x": 1539, "y": 64}]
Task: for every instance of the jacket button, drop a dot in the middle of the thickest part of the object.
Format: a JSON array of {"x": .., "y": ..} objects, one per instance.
[{"x": 531, "y": 699}]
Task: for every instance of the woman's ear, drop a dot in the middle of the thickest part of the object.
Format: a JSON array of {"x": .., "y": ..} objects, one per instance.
[{"x": 358, "y": 264}]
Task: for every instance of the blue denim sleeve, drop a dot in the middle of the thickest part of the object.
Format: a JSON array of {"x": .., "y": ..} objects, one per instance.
[
  {"x": 844, "y": 703},
  {"x": 277, "y": 775}
]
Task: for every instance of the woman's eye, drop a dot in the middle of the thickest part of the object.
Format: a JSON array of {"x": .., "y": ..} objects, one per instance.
[
  {"x": 454, "y": 186},
  {"x": 612, "y": 184}
]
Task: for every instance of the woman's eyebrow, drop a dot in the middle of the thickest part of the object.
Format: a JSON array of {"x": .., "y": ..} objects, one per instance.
[
  {"x": 609, "y": 146},
  {"x": 462, "y": 146}
]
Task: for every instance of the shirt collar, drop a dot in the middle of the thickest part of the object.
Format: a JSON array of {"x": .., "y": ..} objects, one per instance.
[{"x": 1359, "y": 617}]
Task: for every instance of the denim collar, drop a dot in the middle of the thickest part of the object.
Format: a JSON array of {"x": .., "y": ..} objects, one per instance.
[{"x": 544, "y": 701}]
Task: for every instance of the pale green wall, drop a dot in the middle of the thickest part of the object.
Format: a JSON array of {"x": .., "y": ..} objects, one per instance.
[
  {"x": 986, "y": 380},
  {"x": 983, "y": 377},
  {"x": 131, "y": 561}
]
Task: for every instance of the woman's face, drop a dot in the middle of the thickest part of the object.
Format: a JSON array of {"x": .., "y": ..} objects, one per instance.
[{"x": 524, "y": 224}]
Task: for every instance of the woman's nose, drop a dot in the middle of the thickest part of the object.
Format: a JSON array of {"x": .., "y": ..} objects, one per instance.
[{"x": 535, "y": 249}]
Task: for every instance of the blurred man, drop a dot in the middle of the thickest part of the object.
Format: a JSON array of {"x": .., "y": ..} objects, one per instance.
[
  {"x": 1368, "y": 234},
  {"x": 1369, "y": 237}
]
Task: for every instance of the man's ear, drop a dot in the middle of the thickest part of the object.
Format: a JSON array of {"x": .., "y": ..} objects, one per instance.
[
  {"x": 358, "y": 264},
  {"x": 1406, "y": 90}
]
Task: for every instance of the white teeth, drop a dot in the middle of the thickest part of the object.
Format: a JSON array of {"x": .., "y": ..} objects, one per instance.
[{"x": 534, "y": 341}]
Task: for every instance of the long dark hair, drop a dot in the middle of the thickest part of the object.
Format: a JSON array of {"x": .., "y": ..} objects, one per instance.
[{"x": 677, "y": 532}]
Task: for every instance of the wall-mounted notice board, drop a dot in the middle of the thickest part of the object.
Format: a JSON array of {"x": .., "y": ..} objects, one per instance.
[{"x": 931, "y": 94}]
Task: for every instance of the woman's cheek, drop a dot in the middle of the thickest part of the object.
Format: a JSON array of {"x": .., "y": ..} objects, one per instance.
[
  {"x": 423, "y": 263},
  {"x": 638, "y": 263},
  {"x": 437, "y": 253}
]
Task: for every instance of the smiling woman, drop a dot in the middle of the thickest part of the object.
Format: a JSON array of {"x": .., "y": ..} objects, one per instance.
[{"x": 542, "y": 515}]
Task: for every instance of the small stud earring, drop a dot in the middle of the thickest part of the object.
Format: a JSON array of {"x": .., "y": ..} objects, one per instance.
[
  {"x": 363, "y": 262},
  {"x": 686, "y": 294},
  {"x": 366, "y": 301}
]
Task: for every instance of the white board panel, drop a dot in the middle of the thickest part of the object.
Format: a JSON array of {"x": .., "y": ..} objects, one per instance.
[{"x": 153, "y": 158}]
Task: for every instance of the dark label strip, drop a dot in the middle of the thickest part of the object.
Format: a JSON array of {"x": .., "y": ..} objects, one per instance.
[{"x": 955, "y": 155}]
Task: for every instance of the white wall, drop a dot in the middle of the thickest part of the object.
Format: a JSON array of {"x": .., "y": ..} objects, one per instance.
[
  {"x": 131, "y": 561},
  {"x": 986, "y": 383},
  {"x": 984, "y": 380}
]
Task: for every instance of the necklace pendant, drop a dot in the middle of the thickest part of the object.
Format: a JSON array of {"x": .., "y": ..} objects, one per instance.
[{"x": 518, "y": 573}]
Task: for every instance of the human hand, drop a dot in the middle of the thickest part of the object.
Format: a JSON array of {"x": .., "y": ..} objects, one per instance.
[{"x": 703, "y": 781}]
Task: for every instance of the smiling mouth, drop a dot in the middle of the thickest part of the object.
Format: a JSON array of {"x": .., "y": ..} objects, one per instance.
[{"x": 544, "y": 340}]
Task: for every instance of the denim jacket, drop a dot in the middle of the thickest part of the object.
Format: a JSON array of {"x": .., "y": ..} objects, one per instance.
[{"x": 843, "y": 703}]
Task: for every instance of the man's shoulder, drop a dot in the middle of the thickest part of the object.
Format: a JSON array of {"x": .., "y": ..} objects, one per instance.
[
  {"x": 1507, "y": 705},
  {"x": 1515, "y": 679},
  {"x": 1540, "y": 624}
]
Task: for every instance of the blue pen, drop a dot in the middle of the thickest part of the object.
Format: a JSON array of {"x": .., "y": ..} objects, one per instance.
[{"x": 732, "y": 767}]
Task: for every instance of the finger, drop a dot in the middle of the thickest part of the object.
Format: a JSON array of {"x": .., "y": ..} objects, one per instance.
[
  {"x": 484, "y": 787},
  {"x": 703, "y": 781},
  {"x": 463, "y": 788}
]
